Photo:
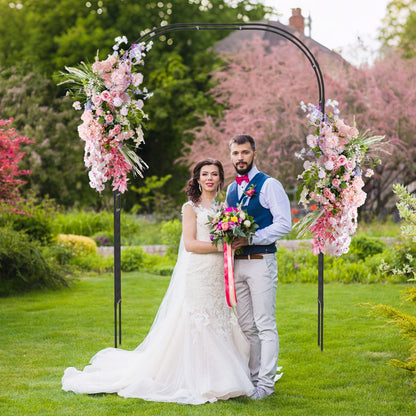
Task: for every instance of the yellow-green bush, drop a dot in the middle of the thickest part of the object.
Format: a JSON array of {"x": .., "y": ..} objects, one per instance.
[{"x": 78, "y": 245}]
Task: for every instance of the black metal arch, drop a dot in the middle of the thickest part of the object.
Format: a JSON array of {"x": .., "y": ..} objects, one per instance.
[{"x": 176, "y": 27}]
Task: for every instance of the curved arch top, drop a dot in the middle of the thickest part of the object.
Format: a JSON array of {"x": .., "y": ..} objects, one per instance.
[{"x": 176, "y": 27}]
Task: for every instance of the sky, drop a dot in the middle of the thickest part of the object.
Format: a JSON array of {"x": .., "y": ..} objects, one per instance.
[{"x": 338, "y": 24}]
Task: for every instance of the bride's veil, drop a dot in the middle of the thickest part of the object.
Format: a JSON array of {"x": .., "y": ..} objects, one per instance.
[{"x": 170, "y": 308}]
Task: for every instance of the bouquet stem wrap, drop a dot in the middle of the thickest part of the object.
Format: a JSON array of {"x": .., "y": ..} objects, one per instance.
[{"x": 229, "y": 275}]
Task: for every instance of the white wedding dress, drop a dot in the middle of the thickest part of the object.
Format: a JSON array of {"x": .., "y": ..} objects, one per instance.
[{"x": 195, "y": 351}]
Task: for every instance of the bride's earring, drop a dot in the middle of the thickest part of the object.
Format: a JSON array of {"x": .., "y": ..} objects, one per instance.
[
  {"x": 200, "y": 188},
  {"x": 218, "y": 191}
]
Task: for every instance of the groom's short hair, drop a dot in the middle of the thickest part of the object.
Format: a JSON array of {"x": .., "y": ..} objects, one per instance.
[{"x": 243, "y": 138}]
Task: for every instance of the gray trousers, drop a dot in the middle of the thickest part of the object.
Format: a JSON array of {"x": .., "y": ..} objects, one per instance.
[{"x": 256, "y": 283}]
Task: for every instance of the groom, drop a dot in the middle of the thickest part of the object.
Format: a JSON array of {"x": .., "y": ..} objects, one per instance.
[{"x": 255, "y": 268}]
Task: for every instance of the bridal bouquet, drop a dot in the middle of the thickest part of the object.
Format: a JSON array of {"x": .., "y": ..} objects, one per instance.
[
  {"x": 225, "y": 226},
  {"x": 332, "y": 179},
  {"x": 111, "y": 98},
  {"x": 231, "y": 223}
]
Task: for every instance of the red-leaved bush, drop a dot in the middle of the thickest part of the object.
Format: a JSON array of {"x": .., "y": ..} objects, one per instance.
[{"x": 10, "y": 173}]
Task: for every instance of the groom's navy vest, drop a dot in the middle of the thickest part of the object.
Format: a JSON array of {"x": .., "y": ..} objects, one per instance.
[{"x": 261, "y": 215}]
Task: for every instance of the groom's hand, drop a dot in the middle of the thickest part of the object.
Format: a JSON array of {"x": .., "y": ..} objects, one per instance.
[{"x": 239, "y": 242}]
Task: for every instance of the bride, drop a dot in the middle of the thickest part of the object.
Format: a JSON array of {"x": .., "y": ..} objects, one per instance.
[{"x": 195, "y": 351}]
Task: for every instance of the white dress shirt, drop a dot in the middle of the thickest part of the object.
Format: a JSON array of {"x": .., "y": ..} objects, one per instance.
[{"x": 273, "y": 197}]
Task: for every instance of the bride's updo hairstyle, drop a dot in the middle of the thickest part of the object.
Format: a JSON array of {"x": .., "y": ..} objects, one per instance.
[{"x": 192, "y": 187}]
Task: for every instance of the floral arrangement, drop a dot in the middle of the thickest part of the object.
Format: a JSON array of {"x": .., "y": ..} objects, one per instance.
[
  {"x": 111, "y": 99},
  {"x": 230, "y": 223},
  {"x": 332, "y": 179}
]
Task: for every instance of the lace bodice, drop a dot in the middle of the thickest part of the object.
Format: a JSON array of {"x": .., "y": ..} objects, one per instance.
[
  {"x": 205, "y": 292},
  {"x": 202, "y": 214}
]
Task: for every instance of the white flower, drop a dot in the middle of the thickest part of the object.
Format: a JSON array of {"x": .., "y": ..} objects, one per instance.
[
  {"x": 77, "y": 105},
  {"x": 247, "y": 223},
  {"x": 369, "y": 173},
  {"x": 329, "y": 165},
  {"x": 118, "y": 102}
]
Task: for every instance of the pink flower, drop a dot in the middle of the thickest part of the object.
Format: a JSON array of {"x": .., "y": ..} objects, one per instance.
[
  {"x": 350, "y": 165},
  {"x": 329, "y": 165},
  {"x": 97, "y": 100},
  {"x": 342, "y": 160},
  {"x": 328, "y": 194},
  {"x": 106, "y": 96},
  {"x": 225, "y": 226},
  {"x": 250, "y": 192},
  {"x": 118, "y": 102},
  {"x": 335, "y": 182},
  {"x": 311, "y": 140},
  {"x": 109, "y": 118},
  {"x": 137, "y": 79}
]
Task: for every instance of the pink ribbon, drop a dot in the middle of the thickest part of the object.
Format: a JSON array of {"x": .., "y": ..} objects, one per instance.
[{"x": 230, "y": 294}]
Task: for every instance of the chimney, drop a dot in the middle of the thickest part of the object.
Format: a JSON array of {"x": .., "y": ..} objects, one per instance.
[{"x": 297, "y": 20}]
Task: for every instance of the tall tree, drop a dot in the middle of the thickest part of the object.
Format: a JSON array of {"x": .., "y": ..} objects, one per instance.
[
  {"x": 399, "y": 26},
  {"x": 45, "y": 35}
]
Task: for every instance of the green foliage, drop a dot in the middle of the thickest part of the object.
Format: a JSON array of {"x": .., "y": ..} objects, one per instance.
[
  {"x": 131, "y": 259},
  {"x": 39, "y": 39},
  {"x": 93, "y": 263},
  {"x": 82, "y": 222},
  {"x": 363, "y": 246},
  {"x": 25, "y": 265},
  {"x": 398, "y": 29},
  {"x": 361, "y": 266},
  {"x": 36, "y": 221},
  {"x": 170, "y": 233},
  {"x": 153, "y": 199},
  {"x": 55, "y": 157},
  {"x": 136, "y": 259},
  {"x": 407, "y": 209},
  {"x": 403, "y": 264}
]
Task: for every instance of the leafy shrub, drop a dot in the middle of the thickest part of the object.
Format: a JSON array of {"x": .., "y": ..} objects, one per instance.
[
  {"x": 171, "y": 235},
  {"x": 136, "y": 259},
  {"x": 24, "y": 265},
  {"x": 93, "y": 263},
  {"x": 302, "y": 266},
  {"x": 87, "y": 223},
  {"x": 37, "y": 222},
  {"x": 363, "y": 246},
  {"x": 77, "y": 244},
  {"x": 132, "y": 258}
]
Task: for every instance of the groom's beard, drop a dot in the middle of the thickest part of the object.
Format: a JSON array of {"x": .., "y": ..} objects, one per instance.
[{"x": 246, "y": 169}]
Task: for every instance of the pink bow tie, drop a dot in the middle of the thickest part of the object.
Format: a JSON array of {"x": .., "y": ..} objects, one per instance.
[{"x": 241, "y": 179}]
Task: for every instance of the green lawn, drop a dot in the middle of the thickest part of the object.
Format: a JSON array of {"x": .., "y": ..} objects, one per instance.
[{"x": 43, "y": 333}]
